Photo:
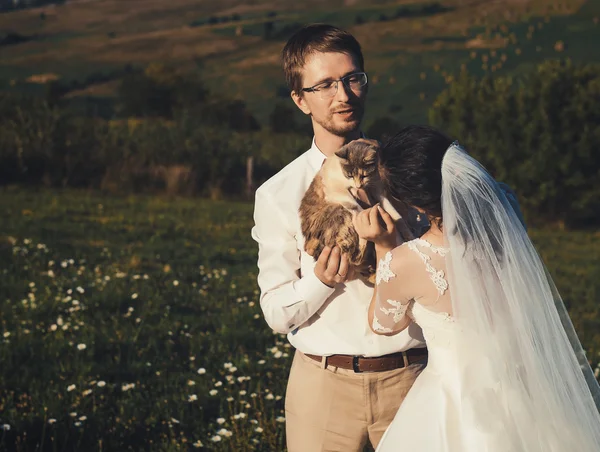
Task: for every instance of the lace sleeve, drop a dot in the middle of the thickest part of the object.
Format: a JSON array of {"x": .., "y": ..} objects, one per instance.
[{"x": 390, "y": 305}]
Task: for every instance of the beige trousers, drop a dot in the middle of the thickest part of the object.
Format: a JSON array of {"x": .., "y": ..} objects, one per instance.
[{"x": 333, "y": 409}]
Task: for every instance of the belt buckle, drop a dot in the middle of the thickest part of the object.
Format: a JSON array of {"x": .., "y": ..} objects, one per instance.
[{"x": 355, "y": 367}]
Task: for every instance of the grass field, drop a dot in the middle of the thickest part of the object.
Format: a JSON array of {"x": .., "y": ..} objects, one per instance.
[
  {"x": 409, "y": 59},
  {"x": 162, "y": 295},
  {"x": 132, "y": 323}
]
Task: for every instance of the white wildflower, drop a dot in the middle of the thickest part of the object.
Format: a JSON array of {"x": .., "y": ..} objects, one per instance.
[
  {"x": 127, "y": 387},
  {"x": 224, "y": 432}
]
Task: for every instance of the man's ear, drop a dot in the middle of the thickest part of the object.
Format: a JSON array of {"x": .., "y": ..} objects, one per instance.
[{"x": 300, "y": 102}]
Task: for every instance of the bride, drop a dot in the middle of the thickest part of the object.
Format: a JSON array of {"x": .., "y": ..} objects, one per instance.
[{"x": 506, "y": 371}]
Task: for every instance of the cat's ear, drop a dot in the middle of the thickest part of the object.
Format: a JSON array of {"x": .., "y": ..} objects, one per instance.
[
  {"x": 371, "y": 151},
  {"x": 342, "y": 152},
  {"x": 372, "y": 142}
]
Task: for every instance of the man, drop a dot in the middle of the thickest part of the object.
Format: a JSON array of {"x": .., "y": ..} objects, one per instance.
[{"x": 346, "y": 383}]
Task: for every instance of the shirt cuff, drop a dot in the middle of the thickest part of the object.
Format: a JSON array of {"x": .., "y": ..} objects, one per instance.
[{"x": 311, "y": 290}]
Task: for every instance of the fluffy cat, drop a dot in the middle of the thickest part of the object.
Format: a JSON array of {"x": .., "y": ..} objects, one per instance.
[{"x": 330, "y": 203}]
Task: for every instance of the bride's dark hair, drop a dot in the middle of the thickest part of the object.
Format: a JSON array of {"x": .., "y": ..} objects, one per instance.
[{"x": 410, "y": 165}]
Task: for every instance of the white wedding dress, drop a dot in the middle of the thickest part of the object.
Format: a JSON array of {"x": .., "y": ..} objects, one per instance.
[
  {"x": 506, "y": 371},
  {"x": 427, "y": 420},
  {"x": 433, "y": 418}
]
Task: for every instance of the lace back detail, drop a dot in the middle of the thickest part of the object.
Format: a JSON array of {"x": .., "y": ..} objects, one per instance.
[
  {"x": 437, "y": 276},
  {"x": 384, "y": 273}
]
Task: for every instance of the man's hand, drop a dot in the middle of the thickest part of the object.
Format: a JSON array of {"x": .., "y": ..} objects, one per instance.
[
  {"x": 377, "y": 226},
  {"x": 332, "y": 266}
]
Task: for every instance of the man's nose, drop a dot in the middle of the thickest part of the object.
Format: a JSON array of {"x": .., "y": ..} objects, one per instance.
[{"x": 343, "y": 92}]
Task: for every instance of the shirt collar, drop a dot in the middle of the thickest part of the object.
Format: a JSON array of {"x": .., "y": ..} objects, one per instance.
[{"x": 316, "y": 157}]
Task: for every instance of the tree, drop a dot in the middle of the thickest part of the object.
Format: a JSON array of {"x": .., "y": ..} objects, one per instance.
[
  {"x": 159, "y": 91},
  {"x": 269, "y": 26},
  {"x": 282, "y": 119},
  {"x": 539, "y": 133}
]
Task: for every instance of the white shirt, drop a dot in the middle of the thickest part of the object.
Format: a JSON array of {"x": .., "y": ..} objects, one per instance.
[{"x": 317, "y": 319}]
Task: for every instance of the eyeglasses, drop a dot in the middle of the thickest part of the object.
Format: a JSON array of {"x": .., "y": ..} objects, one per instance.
[{"x": 325, "y": 90}]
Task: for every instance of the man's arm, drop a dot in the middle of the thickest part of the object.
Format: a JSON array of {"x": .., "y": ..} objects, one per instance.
[{"x": 287, "y": 300}]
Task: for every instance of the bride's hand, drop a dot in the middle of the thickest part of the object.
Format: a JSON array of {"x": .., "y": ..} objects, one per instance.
[{"x": 377, "y": 226}]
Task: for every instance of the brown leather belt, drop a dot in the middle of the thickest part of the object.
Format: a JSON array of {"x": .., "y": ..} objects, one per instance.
[{"x": 376, "y": 364}]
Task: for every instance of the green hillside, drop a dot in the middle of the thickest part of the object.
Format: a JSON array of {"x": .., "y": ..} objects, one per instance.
[{"x": 412, "y": 48}]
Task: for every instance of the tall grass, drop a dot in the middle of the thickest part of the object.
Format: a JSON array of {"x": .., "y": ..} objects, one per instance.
[{"x": 132, "y": 323}]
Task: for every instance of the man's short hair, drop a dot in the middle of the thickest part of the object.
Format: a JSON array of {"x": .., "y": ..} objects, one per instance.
[{"x": 316, "y": 38}]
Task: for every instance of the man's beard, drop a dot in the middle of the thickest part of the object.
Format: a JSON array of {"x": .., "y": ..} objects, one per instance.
[{"x": 346, "y": 127}]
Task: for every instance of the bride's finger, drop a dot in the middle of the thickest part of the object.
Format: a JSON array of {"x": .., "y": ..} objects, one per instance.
[
  {"x": 387, "y": 219},
  {"x": 373, "y": 220},
  {"x": 358, "y": 221},
  {"x": 362, "y": 219}
]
